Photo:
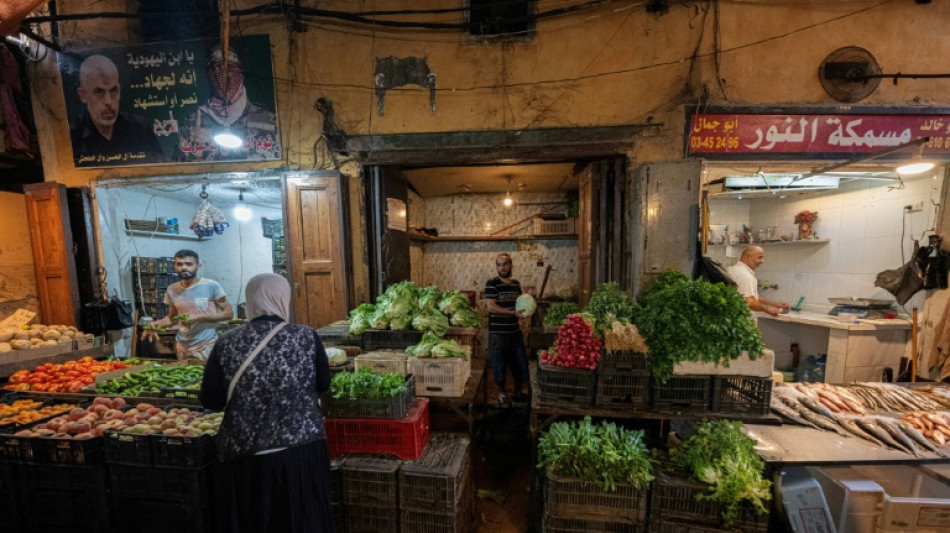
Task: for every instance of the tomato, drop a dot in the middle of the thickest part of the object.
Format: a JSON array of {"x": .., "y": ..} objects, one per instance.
[
  {"x": 18, "y": 387},
  {"x": 41, "y": 387},
  {"x": 19, "y": 376},
  {"x": 75, "y": 386},
  {"x": 86, "y": 359}
]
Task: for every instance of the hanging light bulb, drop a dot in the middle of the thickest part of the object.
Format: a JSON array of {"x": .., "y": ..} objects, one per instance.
[
  {"x": 241, "y": 211},
  {"x": 508, "y": 201},
  {"x": 917, "y": 164}
]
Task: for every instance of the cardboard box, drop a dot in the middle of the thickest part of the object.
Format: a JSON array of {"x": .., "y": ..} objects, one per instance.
[{"x": 743, "y": 366}]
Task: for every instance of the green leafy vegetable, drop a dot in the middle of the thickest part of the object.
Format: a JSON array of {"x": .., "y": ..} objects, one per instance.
[
  {"x": 694, "y": 320},
  {"x": 558, "y": 312},
  {"x": 433, "y": 346},
  {"x": 364, "y": 384},
  {"x": 466, "y": 318},
  {"x": 605, "y": 454},
  {"x": 609, "y": 304},
  {"x": 720, "y": 454},
  {"x": 361, "y": 318},
  {"x": 665, "y": 279},
  {"x": 429, "y": 297},
  {"x": 431, "y": 320},
  {"x": 452, "y": 301}
]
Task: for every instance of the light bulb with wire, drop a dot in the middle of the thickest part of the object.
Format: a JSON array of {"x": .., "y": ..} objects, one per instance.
[
  {"x": 917, "y": 165},
  {"x": 508, "y": 200},
  {"x": 241, "y": 211}
]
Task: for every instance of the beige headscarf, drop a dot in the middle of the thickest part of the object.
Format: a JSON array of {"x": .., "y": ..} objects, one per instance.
[{"x": 268, "y": 294}]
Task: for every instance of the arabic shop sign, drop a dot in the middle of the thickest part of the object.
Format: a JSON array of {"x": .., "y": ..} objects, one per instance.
[
  {"x": 163, "y": 102},
  {"x": 721, "y": 135}
]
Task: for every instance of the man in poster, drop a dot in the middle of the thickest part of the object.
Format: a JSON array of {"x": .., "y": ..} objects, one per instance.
[{"x": 103, "y": 134}]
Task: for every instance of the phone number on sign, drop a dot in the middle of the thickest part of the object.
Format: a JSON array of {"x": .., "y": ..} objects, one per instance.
[{"x": 714, "y": 142}]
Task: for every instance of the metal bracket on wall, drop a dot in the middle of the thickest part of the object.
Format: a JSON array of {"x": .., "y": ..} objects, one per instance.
[{"x": 398, "y": 71}]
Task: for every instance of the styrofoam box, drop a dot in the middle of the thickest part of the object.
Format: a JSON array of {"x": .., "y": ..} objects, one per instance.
[
  {"x": 853, "y": 500},
  {"x": 915, "y": 499},
  {"x": 743, "y": 366},
  {"x": 804, "y": 502}
]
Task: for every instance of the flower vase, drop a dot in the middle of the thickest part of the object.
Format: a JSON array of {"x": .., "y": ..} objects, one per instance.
[{"x": 804, "y": 232}]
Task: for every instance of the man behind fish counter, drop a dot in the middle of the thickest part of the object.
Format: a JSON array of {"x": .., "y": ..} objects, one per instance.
[{"x": 743, "y": 273}]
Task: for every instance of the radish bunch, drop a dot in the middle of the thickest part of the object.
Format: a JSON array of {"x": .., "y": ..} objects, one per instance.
[{"x": 575, "y": 346}]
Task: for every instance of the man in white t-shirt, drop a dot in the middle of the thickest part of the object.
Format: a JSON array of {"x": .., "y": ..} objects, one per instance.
[
  {"x": 743, "y": 273},
  {"x": 197, "y": 305}
]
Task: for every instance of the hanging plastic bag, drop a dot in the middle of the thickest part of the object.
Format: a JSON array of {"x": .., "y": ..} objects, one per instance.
[{"x": 904, "y": 281}]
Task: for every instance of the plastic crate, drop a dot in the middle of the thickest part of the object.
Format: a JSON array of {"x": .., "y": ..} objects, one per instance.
[
  {"x": 383, "y": 339},
  {"x": 338, "y": 334},
  {"x": 569, "y": 387},
  {"x": 440, "y": 377},
  {"x": 741, "y": 395},
  {"x": 348, "y": 367},
  {"x": 437, "y": 481},
  {"x": 69, "y": 451},
  {"x": 336, "y": 480},
  {"x": 364, "y": 519},
  {"x": 554, "y": 227},
  {"x": 674, "y": 498},
  {"x": 554, "y": 524},
  {"x": 660, "y": 524},
  {"x": 9, "y": 511},
  {"x": 682, "y": 395},
  {"x": 622, "y": 362},
  {"x": 371, "y": 480},
  {"x": 566, "y": 497},
  {"x": 183, "y": 394},
  {"x": 147, "y": 515},
  {"x": 181, "y": 484},
  {"x": 174, "y": 451},
  {"x": 338, "y": 515},
  {"x": 404, "y": 438},
  {"x": 63, "y": 498},
  {"x": 384, "y": 361},
  {"x": 460, "y": 520},
  {"x": 628, "y": 392},
  {"x": 394, "y": 407},
  {"x": 127, "y": 448},
  {"x": 20, "y": 450}
]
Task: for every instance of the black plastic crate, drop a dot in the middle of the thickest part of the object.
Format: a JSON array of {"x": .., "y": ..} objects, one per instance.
[
  {"x": 628, "y": 392},
  {"x": 554, "y": 524},
  {"x": 174, "y": 451},
  {"x": 21, "y": 450},
  {"x": 182, "y": 484},
  {"x": 183, "y": 394},
  {"x": 348, "y": 367},
  {"x": 69, "y": 451},
  {"x": 437, "y": 480},
  {"x": 674, "y": 498},
  {"x": 741, "y": 395},
  {"x": 127, "y": 448},
  {"x": 147, "y": 515},
  {"x": 63, "y": 498},
  {"x": 338, "y": 515},
  {"x": 566, "y": 497},
  {"x": 393, "y": 408},
  {"x": 9, "y": 510},
  {"x": 568, "y": 387},
  {"x": 460, "y": 520},
  {"x": 336, "y": 480},
  {"x": 381, "y": 339},
  {"x": 682, "y": 395},
  {"x": 660, "y": 524},
  {"x": 371, "y": 480},
  {"x": 364, "y": 519},
  {"x": 622, "y": 362},
  {"x": 337, "y": 335}
]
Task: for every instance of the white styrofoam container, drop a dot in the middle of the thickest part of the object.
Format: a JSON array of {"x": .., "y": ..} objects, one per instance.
[
  {"x": 804, "y": 502},
  {"x": 853, "y": 500},
  {"x": 917, "y": 515},
  {"x": 743, "y": 366}
]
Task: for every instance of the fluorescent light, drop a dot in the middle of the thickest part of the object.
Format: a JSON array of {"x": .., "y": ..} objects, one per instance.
[
  {"x": 915, "y": 168},
  {"x": 243, "y": 213},
  {"x": 227, "y": 139}
]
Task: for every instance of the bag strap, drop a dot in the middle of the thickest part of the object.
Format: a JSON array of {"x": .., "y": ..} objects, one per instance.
[{"x": 252, "y": 356}]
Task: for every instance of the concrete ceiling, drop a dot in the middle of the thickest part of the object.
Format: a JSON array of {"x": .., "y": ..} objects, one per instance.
[{"x": 440, "y": 181}]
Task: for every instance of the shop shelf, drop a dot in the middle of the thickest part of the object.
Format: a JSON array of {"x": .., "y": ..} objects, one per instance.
[
  {"x": 127, "y": 448},
  {"x": 622, "y": 362},
  {"x": 674, "y": 499},
  {"x": 394, "y": 407},
  {"x": 553, "y": 524},
  {"x": 371, "y": 480},
  {"x": 403, "y": 438},
  {"x": 627, "y": 392},
  {"x": 568, "y": 387},
  {"x": 682, "y": 395},
  {"x": 437, "y": 481},
  {"x": 381, "y": 339},
  {"x": 566, "y": 497},
  {"x": 365, "y": 519},
  {"x": 741, "y": 395},
  {"x": 440, "y": 377},
  {"x": 384, "y": 361}
]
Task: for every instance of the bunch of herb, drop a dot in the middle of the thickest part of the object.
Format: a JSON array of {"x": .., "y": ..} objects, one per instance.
[
  {"x": 665, "y": 279},
  {"x": 609, "y": 304},
  {"x": 695, "y": 320},
  {"x": 364, "y": 384},
  {"x": 719, "y": 453},
  {"x": 605, "y": 454},
  {"x": 558, "y": 312}
]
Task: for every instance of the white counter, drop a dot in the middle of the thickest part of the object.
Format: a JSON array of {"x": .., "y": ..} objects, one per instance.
[{"x": 857, "y": 351}]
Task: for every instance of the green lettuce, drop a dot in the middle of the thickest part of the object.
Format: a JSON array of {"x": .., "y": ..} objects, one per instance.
[
  {"x": 431, "y": 320},
  {"x": 361, "y": 318}
]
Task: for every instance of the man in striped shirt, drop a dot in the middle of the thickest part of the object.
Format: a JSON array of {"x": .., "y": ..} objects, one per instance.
[{"x": 505, "y": 342}]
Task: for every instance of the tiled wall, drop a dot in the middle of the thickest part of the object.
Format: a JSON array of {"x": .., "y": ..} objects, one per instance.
[{"x": 864, "y": 221}]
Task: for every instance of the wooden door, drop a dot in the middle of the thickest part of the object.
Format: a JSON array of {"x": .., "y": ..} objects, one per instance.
[
  {"x": 316, "y": 245},
  {"x": 53, "y": 253},
  {"x": 586, "y": 215}
]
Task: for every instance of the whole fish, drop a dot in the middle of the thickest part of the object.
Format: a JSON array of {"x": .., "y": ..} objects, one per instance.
[
  {"x": 789, "y": 413},
  {"x": 919, "y": 438},
  {"x": 906, "y": 442},
  {"x": 879, "y": 433},
  {"x": 817, "y": 407},
  {"x": 822, "y": 422},
  {"x": 853, "y": 427}
]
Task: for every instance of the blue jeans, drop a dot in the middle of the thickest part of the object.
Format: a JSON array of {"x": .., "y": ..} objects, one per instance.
[{"x": 507, "y": 350}]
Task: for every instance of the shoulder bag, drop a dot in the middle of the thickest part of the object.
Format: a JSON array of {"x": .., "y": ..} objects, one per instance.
[{"x": 250, "y": 358}]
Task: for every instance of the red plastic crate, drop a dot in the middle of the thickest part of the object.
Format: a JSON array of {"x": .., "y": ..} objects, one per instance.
[{"x": 405, "y": 438}]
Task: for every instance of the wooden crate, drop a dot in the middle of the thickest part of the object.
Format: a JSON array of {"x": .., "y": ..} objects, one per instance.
[
  {"x": 384, "y": 361},
  {"x": 440, "y": 376}
]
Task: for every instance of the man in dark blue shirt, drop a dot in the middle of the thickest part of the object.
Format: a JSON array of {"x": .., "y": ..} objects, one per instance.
[{"x": 505, "y": 342}]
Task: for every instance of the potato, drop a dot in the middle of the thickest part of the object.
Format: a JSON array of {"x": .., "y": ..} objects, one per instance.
[
  {"x": 5, "y": 347},
  {"x": 21, "y": 335},
  {"x": 21, "y": 344},
  {"x": 51, "y": 342},
  {"x": 36, "y": 340},
  {"x": 51, "y": 334},
  {"x": 6, "y": 334}
]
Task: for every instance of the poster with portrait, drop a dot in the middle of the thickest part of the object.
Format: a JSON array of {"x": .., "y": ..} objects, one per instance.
[{"x": 168, "y": 102}]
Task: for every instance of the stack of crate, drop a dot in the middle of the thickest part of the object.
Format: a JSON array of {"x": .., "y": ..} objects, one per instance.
[
  {"x": 337, "y": 507},
  {"x": 623, "y": 381},
  {"x": 572, "y": 505},
  {"x": 370, "y": 493},
  {"x": 436, "y": 492},
  {"x": 151, "y": 277},
  {"x": 674, "y": 508}
]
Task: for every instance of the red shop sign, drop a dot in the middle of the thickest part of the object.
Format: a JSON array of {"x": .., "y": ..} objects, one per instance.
[{"x": 712, "y": 135}]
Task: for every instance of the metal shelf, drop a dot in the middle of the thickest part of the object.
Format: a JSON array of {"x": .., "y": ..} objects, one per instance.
[
  {"x": 478, "y": 238},
  {"x": 142, "y": 233},
  {"x": 774, "y": 243}
]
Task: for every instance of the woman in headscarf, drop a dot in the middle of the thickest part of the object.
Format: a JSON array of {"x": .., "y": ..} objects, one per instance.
[{"x": 274, "y": 474}]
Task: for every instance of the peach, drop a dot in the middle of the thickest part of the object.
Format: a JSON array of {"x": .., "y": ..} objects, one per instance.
[{"x": 118, "y": 403}]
